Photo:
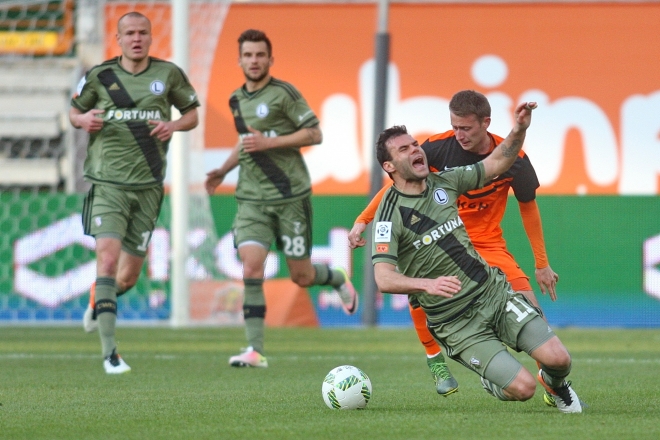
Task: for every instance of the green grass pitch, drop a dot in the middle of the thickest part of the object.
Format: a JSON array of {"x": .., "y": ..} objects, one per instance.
[{"x": 52, "y": 386}]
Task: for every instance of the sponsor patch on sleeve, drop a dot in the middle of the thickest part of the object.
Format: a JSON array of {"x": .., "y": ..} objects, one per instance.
[
  {"x": 382, "y": 248},
  {"x": 383, "y": 232}
]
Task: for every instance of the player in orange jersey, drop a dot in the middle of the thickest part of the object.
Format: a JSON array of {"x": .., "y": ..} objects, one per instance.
[{"x": 481, "y": 211}]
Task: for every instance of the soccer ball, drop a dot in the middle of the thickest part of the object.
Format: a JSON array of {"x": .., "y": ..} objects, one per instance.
[{"x": 346, "y": 387}]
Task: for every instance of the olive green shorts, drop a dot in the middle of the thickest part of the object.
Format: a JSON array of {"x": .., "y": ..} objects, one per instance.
[
  {"x": 289, "y": 225},
  {"x": 128, "y": 215},
  {"x": 493, "y": 323}
]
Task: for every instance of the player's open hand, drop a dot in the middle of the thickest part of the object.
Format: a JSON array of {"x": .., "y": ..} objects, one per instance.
[
  {"x": 444, "y": 286},
  {"x": 163, "y": 130},
  {"x": 213, "y": 179},
  {"x": 91, "y": 121},
  {"x": 355, "y": 239},
  {"x": 547, "y": 280},
  {"x": 255, "y": 141},
  {"x": 523, "y": 115}
]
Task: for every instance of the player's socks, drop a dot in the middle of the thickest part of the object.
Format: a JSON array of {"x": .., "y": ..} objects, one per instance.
[
  {"x": 90, "y": 324},
  {"x": 419, "y": 321},
  {"x": 254, "y": 313},
  {"x": 553, "y": 377},
  {"x": 106, "y": 313},
  {"x": 547, "y": 397},
  {"x": 92, "y": 295}
]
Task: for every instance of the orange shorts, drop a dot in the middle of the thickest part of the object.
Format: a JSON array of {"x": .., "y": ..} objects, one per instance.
[{"x": 504, "y": 260}]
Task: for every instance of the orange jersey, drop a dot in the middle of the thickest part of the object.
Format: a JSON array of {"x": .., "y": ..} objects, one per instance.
[{"x": 482, "y": 210}]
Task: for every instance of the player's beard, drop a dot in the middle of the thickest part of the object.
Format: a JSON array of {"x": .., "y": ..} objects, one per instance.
[{"x": 256, "y": 79}]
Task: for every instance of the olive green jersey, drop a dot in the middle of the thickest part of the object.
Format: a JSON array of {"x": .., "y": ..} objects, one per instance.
[
  {"x": 424, "y": 237},
  {"x": 123, "y": 154},
  {"x": 278, "y": 174}
]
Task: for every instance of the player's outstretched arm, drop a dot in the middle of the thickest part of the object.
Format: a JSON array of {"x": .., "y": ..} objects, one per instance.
[
  {"x": 545, "y": 276},
  {"x": 504, "y": 155},
  {"x": 354, "y": 237},
  {"x": 216, "y": 176}
]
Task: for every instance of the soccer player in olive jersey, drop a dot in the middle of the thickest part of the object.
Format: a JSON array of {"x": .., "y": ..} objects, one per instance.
[
  {"x": 273, "y": 122},
  {"x": 125, "y": 106},
  {"x": 421, "y": 248},
  {"x": 481, "y": 211}
]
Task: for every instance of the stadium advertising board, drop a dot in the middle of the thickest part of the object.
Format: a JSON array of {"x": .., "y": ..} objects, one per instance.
[
  {"x": 609, "y": 274},
  {"x": 42, "y": 27},
  {"x": 587, "y": 64}
]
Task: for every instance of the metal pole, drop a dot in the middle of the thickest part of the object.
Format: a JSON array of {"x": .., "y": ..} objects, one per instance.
[
  {"x": 180, "y": 304},
  {"x": 369, "y": 315}
]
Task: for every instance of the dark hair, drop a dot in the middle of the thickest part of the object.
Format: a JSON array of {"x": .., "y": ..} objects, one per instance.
[
  {"x": 382, "y": 153},
  {"x": 469, "y": 102},
  {"x": 132, "y": 14},
  {"x": 254, "y": 36}
]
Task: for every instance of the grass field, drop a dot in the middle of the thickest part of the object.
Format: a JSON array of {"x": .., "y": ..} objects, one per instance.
[{"x": 52, "y": 386}]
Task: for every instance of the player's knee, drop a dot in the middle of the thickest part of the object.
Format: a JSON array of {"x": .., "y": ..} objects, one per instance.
[
  {"x": 560, "y": 359},
  {"x": 523, "y": 387},
  {"x": 303, "y": 279}
]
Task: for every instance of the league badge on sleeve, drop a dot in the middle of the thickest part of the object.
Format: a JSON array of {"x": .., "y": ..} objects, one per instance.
[{"x": 383, "y": 232}]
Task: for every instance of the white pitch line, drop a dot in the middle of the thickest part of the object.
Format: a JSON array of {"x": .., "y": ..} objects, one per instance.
[{"x": 337, "y": 358}]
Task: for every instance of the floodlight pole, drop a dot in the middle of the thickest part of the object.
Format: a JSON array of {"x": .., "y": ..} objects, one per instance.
[
  {"x": 179, "y": 296},
  {"x": 370, "y": 315}
]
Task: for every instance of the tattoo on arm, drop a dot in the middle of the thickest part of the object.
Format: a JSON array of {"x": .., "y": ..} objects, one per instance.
[
  {"x": 509, "y": 153},
  {"x": 511, "y": 150}
]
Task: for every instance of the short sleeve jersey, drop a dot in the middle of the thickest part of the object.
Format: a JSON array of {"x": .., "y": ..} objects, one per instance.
[
  {"x": 123, "y": 154},
  {"x": 482, "y": 209},
  {"x": 424, "y": 237},
  {"x": 279, "y": 174}
]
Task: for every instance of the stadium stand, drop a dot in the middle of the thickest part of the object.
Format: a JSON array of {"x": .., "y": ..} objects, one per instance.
[{"x": 34, "y": 128}]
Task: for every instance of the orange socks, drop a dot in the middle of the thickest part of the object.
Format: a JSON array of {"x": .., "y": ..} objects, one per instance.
[
  {"x": 419, "y": 321},
  {"x": 92, "y": 291}
]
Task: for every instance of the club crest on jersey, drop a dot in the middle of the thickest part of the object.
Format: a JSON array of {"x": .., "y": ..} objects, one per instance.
[
  {"x": 262, "y": 110},
  {"x": 440, "y": 196},
  {"x": 157, "y": 87},
  {"x": 383, "y": 232}
]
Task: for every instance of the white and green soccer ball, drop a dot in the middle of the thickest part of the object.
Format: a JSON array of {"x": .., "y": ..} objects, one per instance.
[{"x": 346, "y": 387}]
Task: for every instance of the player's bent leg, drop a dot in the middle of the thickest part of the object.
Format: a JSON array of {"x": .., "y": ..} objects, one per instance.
[
  {"x": 445, "y": 383},
  {"x": 423, "y": 334},
  {"x": 555, "y": 366},
  {"x": 506, "y": 379},
  {"x": 306, "y": 274},
  {"x": 555, "y": 363},
  {"x": 129, "y": 269}
]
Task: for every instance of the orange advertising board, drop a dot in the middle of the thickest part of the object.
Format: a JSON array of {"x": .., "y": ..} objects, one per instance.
[{"x": 592, "y": 68}]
